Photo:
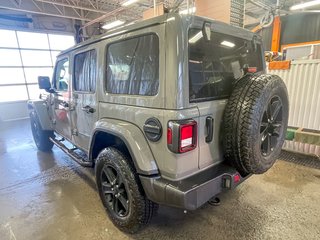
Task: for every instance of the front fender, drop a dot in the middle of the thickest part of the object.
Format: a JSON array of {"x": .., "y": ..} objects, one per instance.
[
  {"x": 134, "y": 140},
  {"x": 40, "y": 107}
]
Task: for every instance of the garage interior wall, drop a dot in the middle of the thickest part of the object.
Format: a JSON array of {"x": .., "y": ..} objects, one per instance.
[
  {"x": 293, "y": 29},
  {"x": 218, "y": 9},
  {"x": 25, "y": 55}
]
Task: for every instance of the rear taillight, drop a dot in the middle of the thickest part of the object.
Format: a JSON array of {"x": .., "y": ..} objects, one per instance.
[
  {"x": 236, "y": 178},
  {"x": 169, "y": 136},
  {"x": 188, "y": 137},
  {"x": 182, "y": 136}
]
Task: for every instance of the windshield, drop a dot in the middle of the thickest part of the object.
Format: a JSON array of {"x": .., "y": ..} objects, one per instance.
[{"x": 215, "y": 65}]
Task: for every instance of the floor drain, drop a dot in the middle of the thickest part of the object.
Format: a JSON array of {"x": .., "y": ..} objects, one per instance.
[{"x": 301, "y": 159}]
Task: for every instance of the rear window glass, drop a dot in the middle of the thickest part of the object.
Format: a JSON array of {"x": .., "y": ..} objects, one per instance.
[
  {"x": 215, "y": 65},
  {"x": 133, "y": 66}
]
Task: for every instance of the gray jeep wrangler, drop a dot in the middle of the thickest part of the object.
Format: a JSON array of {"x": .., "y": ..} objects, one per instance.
[{"x": 173, "y": 110}]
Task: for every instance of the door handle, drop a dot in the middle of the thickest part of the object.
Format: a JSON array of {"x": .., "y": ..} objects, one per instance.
[
  {"x": 88, "y": 109},
  {"x": 209, "y": 126},
  {"x": 64, "y": 104}
]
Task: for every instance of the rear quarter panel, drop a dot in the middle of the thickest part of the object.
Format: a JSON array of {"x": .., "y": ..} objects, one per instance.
[{"x": 171, "y": 166}]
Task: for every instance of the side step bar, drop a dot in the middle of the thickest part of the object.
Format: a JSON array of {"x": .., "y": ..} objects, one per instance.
[{"x": 71, "y": 152}]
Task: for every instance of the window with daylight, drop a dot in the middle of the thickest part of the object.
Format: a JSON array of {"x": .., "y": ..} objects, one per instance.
[
  {"x": 23, "y": 57},
  {"x": 61, "y": 77}
]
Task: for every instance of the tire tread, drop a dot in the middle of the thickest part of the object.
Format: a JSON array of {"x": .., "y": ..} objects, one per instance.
[{"x": 144, "y": 208}]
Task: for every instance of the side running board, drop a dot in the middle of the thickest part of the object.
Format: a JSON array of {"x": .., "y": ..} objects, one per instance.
[{"x": 71, "y": 152}]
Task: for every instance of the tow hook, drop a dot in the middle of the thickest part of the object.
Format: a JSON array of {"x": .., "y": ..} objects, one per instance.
[{"x": 215, "y": 201}]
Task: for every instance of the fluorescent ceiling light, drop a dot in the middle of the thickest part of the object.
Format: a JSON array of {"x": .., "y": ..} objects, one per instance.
[
  {"x": 194, "y": 61},
  {"x": 113, "y": 24},
  {"x": 171, "y": 19},
  {"x": 305, "y": 5},
  {"x": 227, "y": 44},
  {"x": 129, "y": 2},
  {"x": 188, "y": 10},
  {"x": 196, "y": 37}
]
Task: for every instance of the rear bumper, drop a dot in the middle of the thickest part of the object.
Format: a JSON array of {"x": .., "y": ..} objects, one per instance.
[{"x": 192, "y": 192}]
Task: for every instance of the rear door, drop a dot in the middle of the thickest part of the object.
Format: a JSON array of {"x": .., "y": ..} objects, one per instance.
[
  {"x": 84, "y": 100},
  {"x": 214, "y": 67}
]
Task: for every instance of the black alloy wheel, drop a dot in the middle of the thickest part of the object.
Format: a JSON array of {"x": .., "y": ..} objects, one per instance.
[
  {"x": 41, "y": 137},
  {"x": 271, "y": 126},
  {"x": 121, "y": 191},
  {"x": 114, "y": 190},
  {"x": 36, "y": 131}
]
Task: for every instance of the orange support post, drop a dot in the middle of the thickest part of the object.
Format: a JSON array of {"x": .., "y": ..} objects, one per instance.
[{"x": 276, "y": 33}]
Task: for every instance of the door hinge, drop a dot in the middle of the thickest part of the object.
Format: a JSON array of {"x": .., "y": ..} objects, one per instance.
[
  {"x": 72, "y": 106},
  {"x": 75, "y": 132}
]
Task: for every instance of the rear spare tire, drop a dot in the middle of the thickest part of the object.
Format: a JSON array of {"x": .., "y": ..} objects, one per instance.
[{"x": 255, "y": 123}]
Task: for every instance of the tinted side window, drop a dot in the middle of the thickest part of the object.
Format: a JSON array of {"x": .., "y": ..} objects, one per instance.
[
  {"x": 61, "y": 76},
  {"x": 133, "y": 66},
  {"x": 85, "y": 69}
]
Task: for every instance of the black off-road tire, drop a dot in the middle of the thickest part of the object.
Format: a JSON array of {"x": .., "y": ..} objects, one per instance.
[
  {"x": 140, "y": 210},
  {"x": 255, "y": 123},
  {"x": 40, "y": 136}
]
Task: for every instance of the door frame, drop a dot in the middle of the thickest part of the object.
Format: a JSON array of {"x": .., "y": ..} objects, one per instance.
[
  {"x": 74, "y": 96},
  {"x": 61, "y": 96}
]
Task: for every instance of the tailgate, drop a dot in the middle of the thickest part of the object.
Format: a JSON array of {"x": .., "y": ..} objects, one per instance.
[{"x": 210, "y": 150}]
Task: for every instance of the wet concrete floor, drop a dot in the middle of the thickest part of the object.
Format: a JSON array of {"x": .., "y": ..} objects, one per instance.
[{"x": 48, "y": 196}]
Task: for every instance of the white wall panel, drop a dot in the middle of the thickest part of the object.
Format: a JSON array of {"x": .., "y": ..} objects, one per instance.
[
  {"x": 303, "y": 83},
  {"x": 13, "y": 111}
]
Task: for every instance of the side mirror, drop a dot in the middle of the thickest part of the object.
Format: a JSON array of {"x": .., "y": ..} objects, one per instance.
[{"x": 44, "y": 82}]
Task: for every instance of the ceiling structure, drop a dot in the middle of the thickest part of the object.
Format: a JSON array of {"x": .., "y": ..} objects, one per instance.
[
  {"x": 90, "y": 11},
  {"x": 256, "y": 9},
  {"x": 85, "y": 10}
]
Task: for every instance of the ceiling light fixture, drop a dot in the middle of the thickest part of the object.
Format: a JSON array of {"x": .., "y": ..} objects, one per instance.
[
  {"x": 196, "y": 37},
  {"x": 112, "y": 24},
  {"x": 188, "y": 10},
  {"x": 227, "y": 44},
  {"x": 305, "y": 5},
  {"x": 129, "y": 2}
]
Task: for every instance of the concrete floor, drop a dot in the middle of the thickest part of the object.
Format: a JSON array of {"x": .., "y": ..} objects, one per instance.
[{"x": 47, "y": 196}]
